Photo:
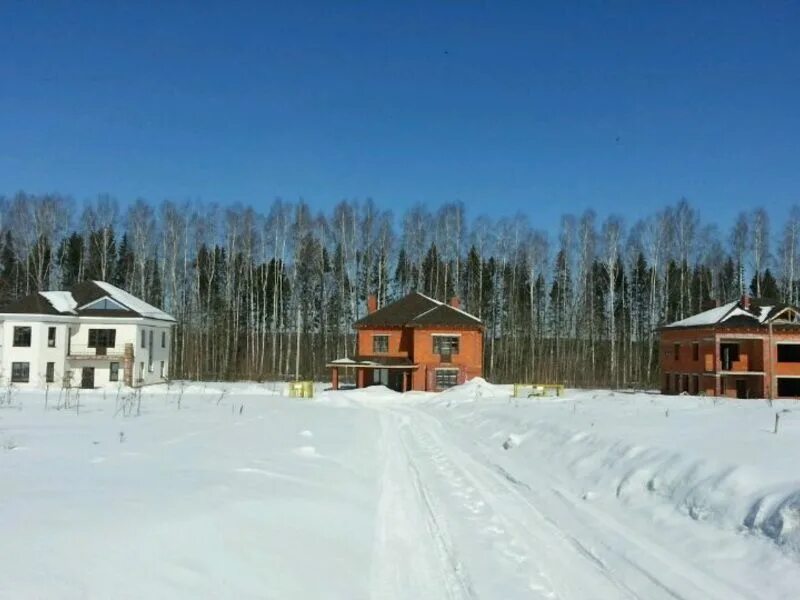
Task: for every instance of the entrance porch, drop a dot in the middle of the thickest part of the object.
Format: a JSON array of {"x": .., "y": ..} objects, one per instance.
[{"x": 394, "y": 374}]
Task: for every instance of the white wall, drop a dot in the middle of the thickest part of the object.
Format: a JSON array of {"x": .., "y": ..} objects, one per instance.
[{"x": 39, "y": 354}]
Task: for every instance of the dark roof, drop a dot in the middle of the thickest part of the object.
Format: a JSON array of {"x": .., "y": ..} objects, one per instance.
[
  {"x": 80, "y": 295},
  {"x": 87, "y": 292},
  {"x": 445, "y": 314},
  {"x": 417, "y": 310},
  {"x": 33, "y": 304},
  {"x": 755, "y": 313}
]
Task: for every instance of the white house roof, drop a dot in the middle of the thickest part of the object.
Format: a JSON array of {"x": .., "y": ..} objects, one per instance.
[
  {"x": 134, "y": 303},
  {"x": 82, "y": 300},
  {"x": 63, "y": 302}
]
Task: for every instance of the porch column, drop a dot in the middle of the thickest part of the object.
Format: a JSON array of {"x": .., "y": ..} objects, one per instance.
[
  {"x": 360, "y": 378},
  {"x": 335, "y": 378}
]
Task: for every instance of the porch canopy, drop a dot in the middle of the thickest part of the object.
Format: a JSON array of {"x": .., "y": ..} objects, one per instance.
[{"x": 393, "y": 372}]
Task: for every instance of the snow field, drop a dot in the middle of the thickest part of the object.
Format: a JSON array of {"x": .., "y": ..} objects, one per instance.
[{"x": 239, "y": 492}]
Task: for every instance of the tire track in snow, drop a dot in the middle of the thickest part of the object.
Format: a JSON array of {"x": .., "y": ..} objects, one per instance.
[
  {"x": 413, "y": 556},
  {"x": 634, "y": 563}
]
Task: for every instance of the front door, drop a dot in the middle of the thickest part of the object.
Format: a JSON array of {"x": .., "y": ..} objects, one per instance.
[
  {"x": 87, "y": 378},
  {"x": 741, "y": 388}
]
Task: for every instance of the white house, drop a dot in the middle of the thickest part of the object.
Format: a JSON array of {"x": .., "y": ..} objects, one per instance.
[{"x": 94, "y": 335}]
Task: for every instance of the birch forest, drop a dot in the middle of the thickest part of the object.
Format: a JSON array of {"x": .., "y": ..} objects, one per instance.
[{"x": 580, "y": 305}]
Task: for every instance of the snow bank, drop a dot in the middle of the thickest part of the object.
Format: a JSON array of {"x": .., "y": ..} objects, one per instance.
[
  {"x": 473, "y": 390},
  {"x": 715, "y": 462}
]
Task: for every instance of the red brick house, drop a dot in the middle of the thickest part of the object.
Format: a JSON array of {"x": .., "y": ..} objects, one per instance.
[
  {"x": 744, "y": 349},
  {"x": 414, "y": 343}
]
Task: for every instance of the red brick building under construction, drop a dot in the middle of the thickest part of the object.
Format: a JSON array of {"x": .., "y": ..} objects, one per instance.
[
  {"x": 414, "y": 343},
  {"x": 744, "y": 349}
]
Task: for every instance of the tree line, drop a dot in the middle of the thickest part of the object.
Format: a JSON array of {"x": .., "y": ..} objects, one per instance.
[{"x": 248, "y": 287}]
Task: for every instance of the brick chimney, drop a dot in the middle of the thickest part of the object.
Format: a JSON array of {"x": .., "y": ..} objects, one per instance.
[
  {"x": 455, "y": 302},
  {"x": 372, "y": 303},
  {"x": 745, "y": 302}
]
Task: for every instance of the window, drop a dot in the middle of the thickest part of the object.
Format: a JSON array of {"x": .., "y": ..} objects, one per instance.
[
  {"x": 20, "y": 371},
  {"x": 69, "y": 340},
  {"x": 445, "y": 344},
  {"x": 141, "y": 371},
  {"x": 789, "y": 353},
  {"x": 22, "y": 338},
  {"x": 50, "y": 372},
  {"x": 161, "y": 372},
  {"x": 788, "y": 387},
  {"x": 104, "y": 304},
  {"x": 51, "y": 337},
  {"x": 676, "y": 351},
  {"x": 144, "y": 338},
  {"x": 163, "y": 339},
  {"x": 380, "y": 344},
  {"x": 113, "y": 371},
  {"x": 446, "y": 378},
  {"x": 729, "y": 353},
  {"x": 102, "y": 338},
  {"x": 695, "y": 351}
]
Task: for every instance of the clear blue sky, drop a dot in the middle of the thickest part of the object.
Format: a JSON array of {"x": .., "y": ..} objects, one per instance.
[{"x": 619, "y": 106}]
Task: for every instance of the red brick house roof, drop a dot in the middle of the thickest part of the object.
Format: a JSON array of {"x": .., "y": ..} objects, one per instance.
[{"x": 418, "y": 310}]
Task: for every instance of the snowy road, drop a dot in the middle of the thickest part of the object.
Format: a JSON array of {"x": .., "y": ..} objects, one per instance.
[{"x": 455, "y": 524}]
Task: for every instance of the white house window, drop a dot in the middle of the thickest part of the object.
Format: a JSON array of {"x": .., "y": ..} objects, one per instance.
[
  {"x": 51, "y": 337},
  {"x": 162, "y": 370},
  {"x": 380, "y": 344},
  {"x": 22, "y": 338},
  {"x": 20, "y": 372},
  {"x": 163, "y": 339},
  {"x": 104, "y": 304},
  {"x": 102, "y": 338},
  {"x": 144, "y": 338},
  {"x": 50, "y": 372},
  {"x": 113, "y": 371},
  {"x": 446, "y": 378}
]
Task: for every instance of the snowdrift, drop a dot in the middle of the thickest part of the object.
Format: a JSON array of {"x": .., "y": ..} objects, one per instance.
[{"x": 714, "y": 462}]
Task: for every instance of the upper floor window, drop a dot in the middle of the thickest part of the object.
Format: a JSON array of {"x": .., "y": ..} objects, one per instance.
[
  {"x": 102, "y": 338},
  {"x": 22, "y": 337},
  {"x": 51, "y": 337},
  {"x": 676, "y": 351},
  {"x": 695, "y": 351},
  {"x": 163, "y": 339},
  {"x": 380, "y": 344},
  {"x": 445, "y": 344},
  {"x": 144, "y": 338}
]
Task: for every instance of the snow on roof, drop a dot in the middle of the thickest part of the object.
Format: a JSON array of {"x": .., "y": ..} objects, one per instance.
[
  {"x": 63, "y": 302},
  {"x": 721, "y": 314},
  {"x": 343, "y": 361},
  {"x": 135, "y": 304}
]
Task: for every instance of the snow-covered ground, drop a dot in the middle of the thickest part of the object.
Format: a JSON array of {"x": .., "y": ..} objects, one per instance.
[{"x": 235, "y": 491}]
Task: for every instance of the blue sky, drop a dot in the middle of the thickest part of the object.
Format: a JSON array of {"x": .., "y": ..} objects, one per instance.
[{"x": 622, "y": 107}]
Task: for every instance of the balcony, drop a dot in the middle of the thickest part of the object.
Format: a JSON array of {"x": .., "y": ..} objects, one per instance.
[{"x": 78, "y": 352}]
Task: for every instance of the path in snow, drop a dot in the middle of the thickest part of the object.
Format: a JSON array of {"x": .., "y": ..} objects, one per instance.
[{"x": 454, "y": 524}]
